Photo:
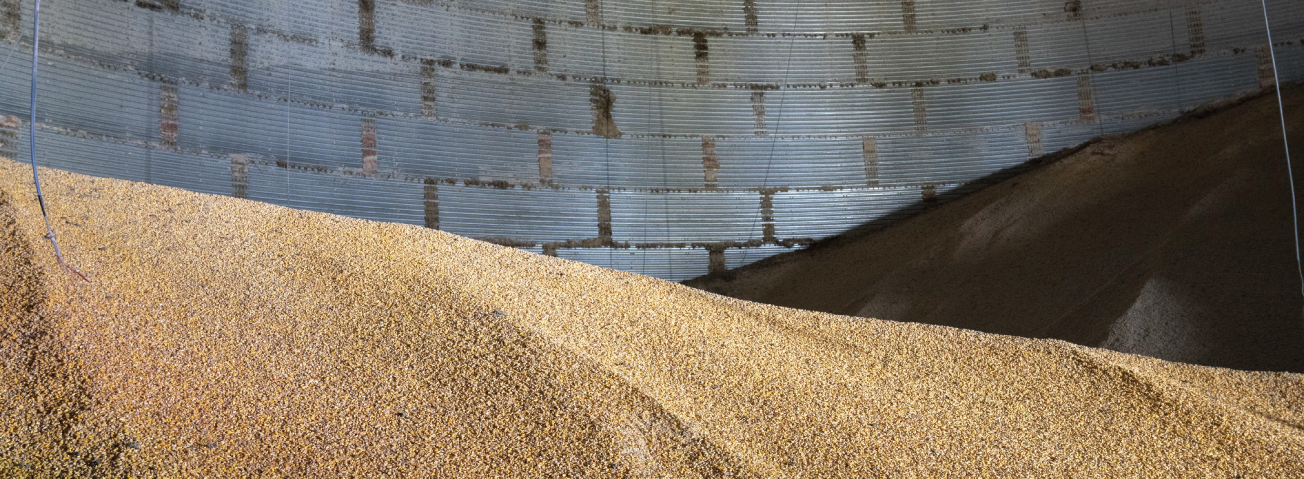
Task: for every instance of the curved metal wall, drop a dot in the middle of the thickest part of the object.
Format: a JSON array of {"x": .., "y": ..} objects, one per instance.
[{"x": 663, "y": 137}]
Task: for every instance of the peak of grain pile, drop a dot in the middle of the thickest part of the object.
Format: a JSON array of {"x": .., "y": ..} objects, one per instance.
[
  {"x": 227, "y": 338},
  {"x": 1173, "y": 242}
]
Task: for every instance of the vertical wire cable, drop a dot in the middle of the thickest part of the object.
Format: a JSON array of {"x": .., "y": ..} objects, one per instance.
[
  {"x": 1177, "y": 75},
  {"x": 1091, "y": 75},
  {"x": 284, "y": 24},
  {"x": 1281, "y": 109},
  {"x": 778, "y": 122},
  {"x": 665, "y": 178},
  {"x": 31, "y": 140},
  {"x": 648, "y": 151},
  {"x": 606, "y": 140}
]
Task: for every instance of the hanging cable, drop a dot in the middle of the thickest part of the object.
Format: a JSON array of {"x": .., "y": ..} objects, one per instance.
[
  {"x": 1281, "y": 108},
  {"x": 774, "y": 137},
  {"x": 31, "y": 141}
]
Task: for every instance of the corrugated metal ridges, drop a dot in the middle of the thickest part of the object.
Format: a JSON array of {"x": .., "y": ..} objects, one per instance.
[{"x": 667, "y": 138}]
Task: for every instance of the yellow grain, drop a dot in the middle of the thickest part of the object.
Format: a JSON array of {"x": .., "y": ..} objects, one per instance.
[{"x": 229, "y": 338}]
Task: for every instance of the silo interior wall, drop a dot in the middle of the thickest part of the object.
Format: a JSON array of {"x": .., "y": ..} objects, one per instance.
[{"x": 670, "y": 138}]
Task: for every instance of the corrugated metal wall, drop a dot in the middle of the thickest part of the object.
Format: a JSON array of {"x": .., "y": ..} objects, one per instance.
[{"x": 670, "y": 138}]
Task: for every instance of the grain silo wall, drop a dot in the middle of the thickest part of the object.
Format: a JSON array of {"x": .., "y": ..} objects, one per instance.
[{"x": 669, "y": 138}]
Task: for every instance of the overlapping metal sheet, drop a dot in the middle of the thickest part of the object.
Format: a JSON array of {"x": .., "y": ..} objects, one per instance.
[{"x": 670, "y": 138}]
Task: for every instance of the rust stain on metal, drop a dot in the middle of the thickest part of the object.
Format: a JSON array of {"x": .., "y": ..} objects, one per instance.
[
  {"x": 715, "y": 256},
  {"x": 368, "y": 146},
  {"x": 167, "y": 117},
  {"x": 540, "y": 46},
  {"x": 428, "y": 88},
  {"x": 431, "y": 199},
  {"x": 908, "y": 15},
  {"x": 367, "y": 25},
  {"x": 758, "y": 111},
  {"x": 239, "y": 56},
  {"x": 749, "y": 16},
  {"x": 710, "y": 165},
  {"x": 1266, "y": 77},
  {"x": 1021, "y": 54},
  {"x": 1073, "y": 10},
  {"x": 1086, "y": 98},
  {"x": 545, "y": 157},
  {"x": 929, "y": 194},
  {"x": 920, "y": 108},
  {"x": 593, "y": 12},
  {"x": 1032, "y": 131},
  {"x": 1195, "y": 29},
  {"x": 860, "y": 57},
  {"x": 604, "y": 216},
  {"x": 869, "y": 153},
  {"x": 602, "y": 101},
  {"x": 11, "y": 20},
  {"x": 701, "y": 56},
  {"x": 767, "y": 215}
]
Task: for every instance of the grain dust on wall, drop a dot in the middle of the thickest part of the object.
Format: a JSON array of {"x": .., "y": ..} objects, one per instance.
[
  {"x": 431, "y": 200},
  {"x": 749, "y": 16},
  {"x": 604, "y": 216},
  {"x": 545, "y": 157},
  {"x": 860, "y": 57},
  {"x": 1195, "y": 29},
  {"x": 167, "y": 117},
  {"x": 428, "y": 88},
  {"x": 540, "y": 46},
  {"x": 602, "y": 101},
  {"x": 239, "y": 56},
  {"x": 240, "y": 176},
  {"x": 11, "y": 20},
  {"x": 869, "y": 153},
  {"x": 367, "y": 25},
  {"x": 369, "y": 146},
  {"x": 701, "y": 55},
  {"x": 1021, "y": 54},
  {"x": 710, "y": 165},
  {"x": 1032, "y": 132}
]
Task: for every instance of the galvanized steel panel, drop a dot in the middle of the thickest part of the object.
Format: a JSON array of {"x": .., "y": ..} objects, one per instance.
[
  {"x": 816, "y": 214},
  {"x": 668, "y": 263},
  {"x": 376, "y": 199},
  {"x": 677, "y": 217},
  {"x": 533, "y": 216},
  {"x": 672, "y": 138}
]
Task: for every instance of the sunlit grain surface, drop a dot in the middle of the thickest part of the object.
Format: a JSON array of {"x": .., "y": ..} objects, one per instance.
[{"x": 222, "y": 337}]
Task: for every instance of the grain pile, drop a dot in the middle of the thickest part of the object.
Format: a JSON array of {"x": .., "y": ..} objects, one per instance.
[
  {"x": 226, "y": 338},
  {"x": 1174, "y": 242}
]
